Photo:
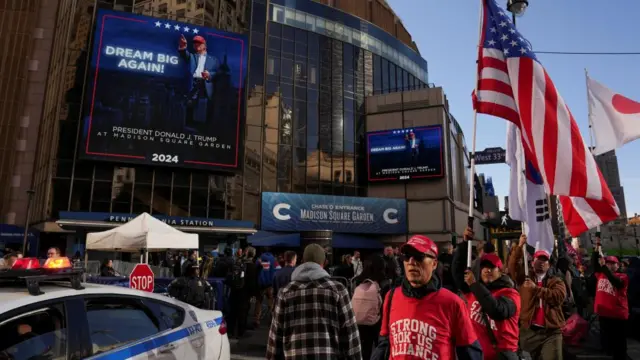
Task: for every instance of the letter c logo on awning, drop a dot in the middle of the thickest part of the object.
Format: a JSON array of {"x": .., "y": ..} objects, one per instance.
[
  {"x": 387, "y": 218},
  {"x": 278, "y": 215}
]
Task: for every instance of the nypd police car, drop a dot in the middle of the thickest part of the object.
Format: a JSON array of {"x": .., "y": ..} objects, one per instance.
[{"x": 46, "y": 312}]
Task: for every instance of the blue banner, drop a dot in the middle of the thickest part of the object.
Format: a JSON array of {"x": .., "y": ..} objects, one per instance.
[
  {"x": 171, "y": 220},
  {"x": 344, "y": 214},
  {"x": 163, "y": 92}
]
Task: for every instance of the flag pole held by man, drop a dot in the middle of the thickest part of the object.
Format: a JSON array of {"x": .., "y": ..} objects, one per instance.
[{"x": 513, "y": 84}]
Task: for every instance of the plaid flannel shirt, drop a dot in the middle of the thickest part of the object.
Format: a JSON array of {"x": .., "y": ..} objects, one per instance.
[{"x": 314, "y": 320}]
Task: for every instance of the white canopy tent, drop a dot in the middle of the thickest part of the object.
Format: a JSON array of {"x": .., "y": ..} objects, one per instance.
[{"x": 144, "y": 233}]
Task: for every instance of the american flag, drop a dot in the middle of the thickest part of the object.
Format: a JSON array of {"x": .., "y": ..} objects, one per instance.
[{"x": 513, "y": 85}]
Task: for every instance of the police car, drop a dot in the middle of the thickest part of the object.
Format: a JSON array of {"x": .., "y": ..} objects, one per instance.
[{"x": 46, "y": 312}]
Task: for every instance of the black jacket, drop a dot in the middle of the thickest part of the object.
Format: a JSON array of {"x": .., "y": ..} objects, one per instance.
[{"x": 497, "y": 308}]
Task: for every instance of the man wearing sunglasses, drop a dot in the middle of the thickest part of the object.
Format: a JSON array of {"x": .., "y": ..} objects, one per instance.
[{"x": 420, "y": 318}]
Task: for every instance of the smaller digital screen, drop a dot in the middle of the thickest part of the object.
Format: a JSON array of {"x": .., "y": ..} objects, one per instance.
[{"x": 405, "y": 154}]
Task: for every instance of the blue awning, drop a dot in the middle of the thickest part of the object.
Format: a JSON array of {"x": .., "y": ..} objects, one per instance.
[
  {"x": 272, "y": 239},
  {"x": 346, "y": 241}
]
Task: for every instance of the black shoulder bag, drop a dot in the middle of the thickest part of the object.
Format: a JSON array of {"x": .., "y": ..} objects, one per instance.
[
  {"x": 502, "y": 355},
  {"x": 383, "y": 350}
]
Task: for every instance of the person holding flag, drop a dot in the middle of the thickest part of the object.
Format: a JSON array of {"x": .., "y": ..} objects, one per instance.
[
  {"x": 611, "y": 303},
  {"x": 513, "y": 84},
  {"x": 493, "y": 302},
  {"x": 542, "y": 295}
]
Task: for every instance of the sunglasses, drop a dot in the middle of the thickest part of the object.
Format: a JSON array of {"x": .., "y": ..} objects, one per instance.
[{"x": 418, "y": 257}]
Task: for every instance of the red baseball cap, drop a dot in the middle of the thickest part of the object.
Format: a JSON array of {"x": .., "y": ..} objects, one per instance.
[
  {"x": 540, "y": 253},
  {"x": 199, "y": 40},
  {"x": 423, "y": 245},
  {"x": 611, "y": 259},
  {"x": 492, "y": 259}
]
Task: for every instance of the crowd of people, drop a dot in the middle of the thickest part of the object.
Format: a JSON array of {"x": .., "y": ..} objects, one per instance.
[{"x": 415, "y": 302}]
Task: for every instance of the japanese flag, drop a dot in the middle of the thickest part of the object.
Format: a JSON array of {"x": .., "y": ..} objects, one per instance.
[{"x": 615, "y": 119}]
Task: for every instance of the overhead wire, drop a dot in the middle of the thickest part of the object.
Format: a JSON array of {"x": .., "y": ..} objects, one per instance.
[{"x": 587, "y": 53}]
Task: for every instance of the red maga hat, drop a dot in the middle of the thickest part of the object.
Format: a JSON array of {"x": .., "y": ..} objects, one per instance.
[
  {"x": 493, "y": 259},
  {"x": 611, "y": 259},
  {"x": 199, "y": 40},
  {"x": 540, "y": 253},
  {"x": 423, "y": 245}
]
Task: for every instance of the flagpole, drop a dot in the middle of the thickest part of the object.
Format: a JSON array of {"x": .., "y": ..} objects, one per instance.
[
  {"x": 592, "y": 148},
  {"x": 472, "y": 173},
  {"x": 589, "y": 115},
  {"x": 524, "y": 254}
]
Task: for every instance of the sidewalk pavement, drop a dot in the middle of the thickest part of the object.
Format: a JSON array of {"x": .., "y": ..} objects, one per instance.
[{"x": 253, "y": 344}]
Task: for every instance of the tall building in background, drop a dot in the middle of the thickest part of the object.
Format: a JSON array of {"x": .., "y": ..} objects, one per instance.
[
  {"x": 311, "y": 65},
  {"x": 229, "y": 15},
  {"x": 26, "y": 36},
  {"x": 608, "y": 164}
]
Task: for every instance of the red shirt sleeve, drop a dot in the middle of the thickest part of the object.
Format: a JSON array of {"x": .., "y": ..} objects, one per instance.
[
  {"x": 384, "y": 329},
  {"x": 463, "y": 331}
]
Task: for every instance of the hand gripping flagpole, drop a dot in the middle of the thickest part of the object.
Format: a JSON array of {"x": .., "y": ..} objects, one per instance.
[
  {"x": 592, "y": 149},
  {"x": 472, "y": 173}
]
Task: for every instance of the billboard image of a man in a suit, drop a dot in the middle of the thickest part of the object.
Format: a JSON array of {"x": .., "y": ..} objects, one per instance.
[
  {"x": 202, "y": 67},
  {"x": 413, "y": 143}
]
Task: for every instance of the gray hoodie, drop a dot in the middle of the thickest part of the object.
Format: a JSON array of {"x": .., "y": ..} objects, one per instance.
[{"x": 309, "y": 272}]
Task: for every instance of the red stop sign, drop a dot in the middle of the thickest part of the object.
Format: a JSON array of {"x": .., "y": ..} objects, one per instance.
[{"x": 141, "y": 278}]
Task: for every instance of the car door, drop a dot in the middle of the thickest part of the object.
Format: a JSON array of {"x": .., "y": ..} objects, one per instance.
[
  {"x": 126, "y": 328},
  {"x": 38, "y": 330},
  {"x": 188, "y": 332}
]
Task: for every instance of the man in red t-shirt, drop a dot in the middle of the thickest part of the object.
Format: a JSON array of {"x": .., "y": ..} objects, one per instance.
[
  {"x": 611, "y": 303},
  {"x": 422, "y": 320}
]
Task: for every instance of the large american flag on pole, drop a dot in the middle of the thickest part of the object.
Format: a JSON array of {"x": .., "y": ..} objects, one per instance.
[{"x": 513, "y": 85}]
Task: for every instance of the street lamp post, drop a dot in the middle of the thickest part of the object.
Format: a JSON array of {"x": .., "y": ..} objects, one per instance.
[
  {"x": 517, "y": 8},
  {"x": 26, "y": 222}
]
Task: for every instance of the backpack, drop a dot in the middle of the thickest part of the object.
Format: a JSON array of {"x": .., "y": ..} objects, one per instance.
[
  {"x": 237, "y": 275},
  {"x": 190, "y": 291},
  {"x": 367, "y": 303}
]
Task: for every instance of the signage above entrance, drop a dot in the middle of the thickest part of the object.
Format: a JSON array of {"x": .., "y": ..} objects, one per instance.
[
  {"x": 344, "y": 214},
  {"x": 122, "y": 218}
]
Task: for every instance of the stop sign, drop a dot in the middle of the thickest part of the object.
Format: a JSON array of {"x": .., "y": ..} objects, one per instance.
[{"x": 141, "y": 278}]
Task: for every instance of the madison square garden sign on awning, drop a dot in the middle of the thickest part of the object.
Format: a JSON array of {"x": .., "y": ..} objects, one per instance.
[{"x": 342, "y": 214}]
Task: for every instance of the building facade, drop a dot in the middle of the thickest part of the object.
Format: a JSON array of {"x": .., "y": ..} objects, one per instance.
[
  {"x": 312, "y": 64},
  {"x": 438, "y": 208},
  {"x": 608, "y": 164}
]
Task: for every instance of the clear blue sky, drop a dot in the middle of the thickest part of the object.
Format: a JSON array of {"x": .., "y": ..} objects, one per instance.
[{"x": 447, "y": 34}]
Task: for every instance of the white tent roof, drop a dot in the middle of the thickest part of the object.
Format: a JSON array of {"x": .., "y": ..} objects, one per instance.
[{"x": 143, "y": 232}]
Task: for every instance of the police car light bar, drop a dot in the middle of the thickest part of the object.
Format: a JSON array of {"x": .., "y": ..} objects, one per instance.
[
  {"x": 26, "y": 264},
  {"x": 29, "y": 271}
]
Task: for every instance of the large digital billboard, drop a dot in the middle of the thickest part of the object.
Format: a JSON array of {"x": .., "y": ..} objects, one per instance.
[
  {"x": 344, "y": 214},
  {"x": 405, "y": 154},
  {"x": 164, "y": 92}
]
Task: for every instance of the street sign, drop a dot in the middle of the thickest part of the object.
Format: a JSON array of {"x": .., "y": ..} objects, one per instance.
[
  {"x": 142, "y": 278},
  {"x": 494, "y": 155}
]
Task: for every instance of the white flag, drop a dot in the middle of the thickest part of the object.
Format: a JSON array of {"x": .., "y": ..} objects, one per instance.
[
  {"x": 614, "y": 119},
  {"x": 528, "y": 201}
]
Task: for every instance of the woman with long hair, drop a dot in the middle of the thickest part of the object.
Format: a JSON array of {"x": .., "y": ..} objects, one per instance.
[{"x": 374, "y": 271}]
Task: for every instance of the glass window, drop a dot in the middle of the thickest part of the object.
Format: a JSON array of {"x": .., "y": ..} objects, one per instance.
[
  {"x": 385, "y": 76},
  {"x": 289, "y": 16},
  {"x": 301, "y": 20},
  {"x": 349, "y": 126},
  {"x": 405, "y": 80},
  {"x": 313, "y": 45},
  {"x": 257, "y": 67},
  {"x": 313, "y": 74},
  {"x": 277, "y": 13},
  {"x": 287, "y": 69},
  {"x": 392, "y": 78},
  {"x": 35, "y": 334},
  {"x": 311, "y": 23},
  {"x": 300, "y": 128},
  {"x": 275, "y": 29},
  {"x": 288, "y": 46},
  {"x": 377, "y": 75},
  {"x": 288, "y": 33},
  {"x": 170, "y": 316},
  {"x": 273, "y": 66},
  {"x": 257, "y": 39},
  {"x": 114, "y": 323},
  {"x": 275, "y": 43}
]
